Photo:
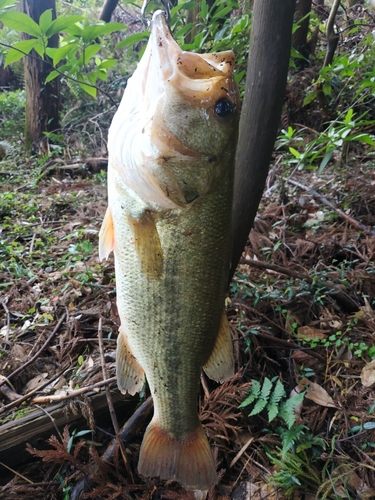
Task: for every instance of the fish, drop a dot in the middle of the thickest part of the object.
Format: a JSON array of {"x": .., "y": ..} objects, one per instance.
[{"x": 171, "y": 148}]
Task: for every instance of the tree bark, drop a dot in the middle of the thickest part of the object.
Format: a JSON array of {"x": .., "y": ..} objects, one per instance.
[
  {"x": 107, "y": 10},
  {"x": 39, "y": 424},
  {"x": 332, "y": 36},
  {"x": 267, "y": 70},
  {"x": 42, "y": 99},
  {"x": 299, "y": 38}
]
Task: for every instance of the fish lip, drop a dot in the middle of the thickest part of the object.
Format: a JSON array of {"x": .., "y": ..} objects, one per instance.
[{"x": 165, "y": 48}]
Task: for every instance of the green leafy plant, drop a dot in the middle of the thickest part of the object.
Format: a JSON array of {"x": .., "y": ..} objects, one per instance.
[
  {"x": 271, "y": 396},
  {"x": 295, "y": 472},
  {"x": 78, "y": 55},
  {"x": 317, "y": 153},
  {"x": 76, "y": 434}
]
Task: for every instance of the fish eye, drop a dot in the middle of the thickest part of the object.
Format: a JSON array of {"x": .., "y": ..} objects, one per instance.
[{"x": 224, "y": 107}]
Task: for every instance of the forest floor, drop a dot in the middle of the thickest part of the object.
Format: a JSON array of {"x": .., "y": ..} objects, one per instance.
[{"x": 301, "y": 312}]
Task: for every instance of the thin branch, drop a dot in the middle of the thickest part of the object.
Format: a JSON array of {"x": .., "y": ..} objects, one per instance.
[
  {"x": 74, "y": 393},
  {"x": 31, "y": 360},
  {"x": 332, "y": 36},
  {"x": 3, "y": 303},
  {"x": 323, "y": 199},
  {"x": 104, "y": 371},
  {"x": 334, "y": 290},
  {"x": 52, "y": 420},
  {"x": 16, "y": 473}
]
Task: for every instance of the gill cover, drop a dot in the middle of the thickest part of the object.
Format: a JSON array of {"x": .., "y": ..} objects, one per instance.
[{"x": 143, "y": 141}]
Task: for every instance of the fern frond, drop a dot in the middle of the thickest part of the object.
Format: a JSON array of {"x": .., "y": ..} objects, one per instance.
[
  {"x": 273, "y": 405},
  {"x": 287, "y": 409},
  {"x": 290, "y": 436},
  {"x": 278, "y": 393},
  {"x": 259, "y": 406},
  {"x": 266, "y": 389},
  {"x": 272, "y": 410},
  {"x": 254, "y": 394},
  {"x": 263, "y": 397}
]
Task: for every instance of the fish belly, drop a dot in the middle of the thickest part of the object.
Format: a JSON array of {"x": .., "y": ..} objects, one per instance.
[{"x": 170, "y": 314}]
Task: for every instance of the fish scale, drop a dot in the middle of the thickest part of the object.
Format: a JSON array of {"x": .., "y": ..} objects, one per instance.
[{"x": 170, "y": 182}]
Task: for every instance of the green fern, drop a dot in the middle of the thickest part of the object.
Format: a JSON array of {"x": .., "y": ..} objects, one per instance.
[
  {"x": 270, "y": 396},
  {"x": 273, "y": 403},
  {"x": 293, "y": 472},
  {"x": 287, "y": 409},
  {"x": 254, "y": 394},
  {"x": 289, "y": 438},
  {"x": 263, "y": 397}
]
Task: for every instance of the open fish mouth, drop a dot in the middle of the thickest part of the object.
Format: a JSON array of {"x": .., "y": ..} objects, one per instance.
[
  {"x": 187, "y": 71},
  {"x": 175, "y": 120}
]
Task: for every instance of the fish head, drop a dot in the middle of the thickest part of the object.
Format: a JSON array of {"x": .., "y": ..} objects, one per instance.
[
  {"x": 183, "y": 111},
  {"x": 198, "y": 97}
]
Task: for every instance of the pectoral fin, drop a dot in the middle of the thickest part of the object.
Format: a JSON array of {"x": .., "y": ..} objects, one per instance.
[
  {"x": 130, "y": 375},
  {"x": 147, "y": 245},
  {"x": 106, "y": 236},
  {"x": 220, "y": 365}
]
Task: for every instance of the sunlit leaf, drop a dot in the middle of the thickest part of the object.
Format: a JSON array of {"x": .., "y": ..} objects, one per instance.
[
  {"x": 61, "y": 23},
  {"x": 24, "y": 47},
  {"x": 45, "y": 20},
  {"x": 52, "y": 76},
  {"x": 90, "y": 33},
  {"x": 325, "y": 161},
  {"x": 294, "y": 152},
  {"x": 62, "y": 52},
  {"x": 88, "y": 89},
  {"x": 5, "y": 3},
  {"x": 89, "y": 52},
  {"x": 133, "y": 39},
  {"x": 20, "y": 22},
  {"x": 310, "y": 97}
]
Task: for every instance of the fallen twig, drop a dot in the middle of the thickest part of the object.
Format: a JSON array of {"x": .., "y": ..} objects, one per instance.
[
  {"x": 38, "y": 353},
  {"x": 323, "y": 199},
  {"x": 21, "y": 399},
  {"x": 16, "y": 473},
  {"x": 110, "y": 403},
  {"x": 289, "y": 344},
  {"x": 126, "y": 433},
  {"x": 4, "y": 304},
  {"x": 72, "y": 394},
  {"x": 56, "y": 397},
  {"x": 131, "y": 426},
  {"x": 104, "y": 371},
  {"x": 333, "y": 290}
]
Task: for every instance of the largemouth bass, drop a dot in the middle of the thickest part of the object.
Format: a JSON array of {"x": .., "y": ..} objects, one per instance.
[{"x": 170, "y": 175}]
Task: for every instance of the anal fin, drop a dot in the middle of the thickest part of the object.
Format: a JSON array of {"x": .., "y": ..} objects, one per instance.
[
  {"x": 220, "y": 364},
  {"x": 147, "y": 245},
  {"x": 106, "y": 236},
  {"x": 130, "y": 375},
  {"x": 186, "y": 459}
]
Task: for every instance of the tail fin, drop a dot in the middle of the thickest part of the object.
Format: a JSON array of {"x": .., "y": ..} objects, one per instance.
[{"x": 187, "y": 460}]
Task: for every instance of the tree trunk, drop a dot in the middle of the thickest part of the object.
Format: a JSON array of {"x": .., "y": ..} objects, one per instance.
[
  {"x": 267, "y": 70},
  {"x": 332, "y": 36},
  {"x": 107, "y": 10},
  {"x": 42, "y": 99},
  {"x": 299, "y": 38}
]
